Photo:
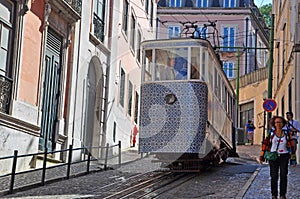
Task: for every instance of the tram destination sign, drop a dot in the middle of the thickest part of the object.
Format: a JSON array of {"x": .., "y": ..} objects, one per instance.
[{"x": 269, "y": 105}]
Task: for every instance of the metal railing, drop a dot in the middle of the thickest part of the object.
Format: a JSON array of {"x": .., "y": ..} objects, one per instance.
[
  {"x": 76, "y": 5},
  {"x": 5, "y": 93},
  {"x": 10, "y": 177},
  {"x": 98, "y": 27},
  {"x": 258, "y": 75}
]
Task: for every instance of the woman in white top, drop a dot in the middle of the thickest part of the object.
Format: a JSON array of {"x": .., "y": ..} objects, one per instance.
[{"x": 279, "y": 140}]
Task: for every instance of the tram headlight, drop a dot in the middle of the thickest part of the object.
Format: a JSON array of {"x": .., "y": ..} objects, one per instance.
[{"x": 170, "y": 98}]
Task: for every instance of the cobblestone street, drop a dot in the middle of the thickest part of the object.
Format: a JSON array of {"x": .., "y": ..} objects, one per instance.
[{"x": 241, "y": 177}]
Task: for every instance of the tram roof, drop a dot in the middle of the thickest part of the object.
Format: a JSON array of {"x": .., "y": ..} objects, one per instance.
[{"x": 176, "y": 42}]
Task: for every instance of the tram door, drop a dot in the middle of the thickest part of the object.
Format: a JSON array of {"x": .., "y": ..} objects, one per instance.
[{"x": 50, "y": 92}]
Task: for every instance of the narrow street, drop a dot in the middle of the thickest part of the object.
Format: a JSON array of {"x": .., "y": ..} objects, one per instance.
[{"x": 224, "y": 181}]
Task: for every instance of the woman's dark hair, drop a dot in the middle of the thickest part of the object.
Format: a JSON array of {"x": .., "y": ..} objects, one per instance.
[{"x": 272, "y": 121}]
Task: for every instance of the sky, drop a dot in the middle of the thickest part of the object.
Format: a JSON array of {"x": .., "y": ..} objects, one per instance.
[{"x": 259, "y": 3}]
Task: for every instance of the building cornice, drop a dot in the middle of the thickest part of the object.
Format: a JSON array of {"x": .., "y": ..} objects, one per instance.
[{"x": 19, "y": 125}]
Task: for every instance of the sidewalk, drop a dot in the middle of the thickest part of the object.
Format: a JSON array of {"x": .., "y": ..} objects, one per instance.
[
  {"x": 249, "y": 151},
  {"x": 33, "y": 179},
  {"x": 259, "y": 185}
]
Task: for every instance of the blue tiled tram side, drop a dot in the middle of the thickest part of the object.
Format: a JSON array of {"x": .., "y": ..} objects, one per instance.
[{"x": 176, "y": 128}]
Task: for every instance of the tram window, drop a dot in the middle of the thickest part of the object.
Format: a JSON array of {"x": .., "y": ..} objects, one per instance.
[
  {"x": 147, "y": 65},
  {"x": 195, "y": 60},
  {"x": 216, "y": 88},
  {"x": 210, "y": 72},
  {"x": 219, "y": 86},
  {"x": 226, "y": 99},
  {"x": 223, "y": 94},
  {"x": 204, "y": 64},
  {"x": 171, "y": 64},
  {"x": 230, "y": 106}
]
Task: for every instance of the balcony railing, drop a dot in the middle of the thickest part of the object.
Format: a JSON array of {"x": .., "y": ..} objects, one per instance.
[
  {"x": 5, "y": 93},
  {"x": 98, "y": 27},
  {"x": 256, "y": 76},
  {"x": 76, "y": 5}
]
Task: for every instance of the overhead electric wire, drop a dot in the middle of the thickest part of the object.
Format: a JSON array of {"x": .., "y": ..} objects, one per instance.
[
  {"x": 146, "y": 14},
  {"x": 240, "y": 36},
  {"x": 262, "y": 1}
]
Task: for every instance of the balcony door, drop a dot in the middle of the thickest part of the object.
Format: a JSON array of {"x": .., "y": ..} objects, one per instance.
[{"x": 50, "y": 91}]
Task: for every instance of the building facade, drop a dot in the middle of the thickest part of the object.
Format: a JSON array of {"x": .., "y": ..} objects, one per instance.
[
  {"x": 286, "y": 67},
  {"x": 133, "y": 22},
  {"x": 36, "y": 54},
  {"x": 89, "y": 77},
  {"x": 70, "y": 74}
]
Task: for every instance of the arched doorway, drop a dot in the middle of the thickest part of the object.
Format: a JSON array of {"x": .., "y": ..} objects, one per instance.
[{"x": 93, "y": 111}]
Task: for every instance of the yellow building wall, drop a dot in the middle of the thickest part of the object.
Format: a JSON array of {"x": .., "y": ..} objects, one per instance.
[{"x": 255, "y": 92}]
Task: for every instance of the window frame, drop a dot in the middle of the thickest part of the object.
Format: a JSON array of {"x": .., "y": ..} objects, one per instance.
[
  {"x": 6, "y": 70},
  {"x": 129, "y": 98},
  {"x": 151, "y": 12},
  {"x": 139, "y": 50},
  {"x": 133, "y": 32},
  {"x": 122, "y": 87},
  {"x": 8, "y": 25},
  {"x": 136, "y": 107},
  {"x": 228, "y": 68},
  {"x": 173, "y": 35},
  {"x": 201, "y": 3},
  {"x": 99, "y": 5},
  {"x": 125, "y": 17},
  {"x": 229, "y": 39},
  {"x": 175, "y": 3},
  {"x": 200, "y": 32},
  {"x": 228, "y": 3}
]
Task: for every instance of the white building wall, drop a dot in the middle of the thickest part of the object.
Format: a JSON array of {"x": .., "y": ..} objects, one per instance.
[
  {"x": 122, "y": 55},
  {"x": 286, "y": 36},
  {"x": 87, "y": 50}
]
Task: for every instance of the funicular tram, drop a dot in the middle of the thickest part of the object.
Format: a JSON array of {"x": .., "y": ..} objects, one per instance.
[{"x": 187, "y": 104}]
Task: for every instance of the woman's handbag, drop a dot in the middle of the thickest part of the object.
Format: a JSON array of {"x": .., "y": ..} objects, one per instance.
[{"x": 272, "y": 156}]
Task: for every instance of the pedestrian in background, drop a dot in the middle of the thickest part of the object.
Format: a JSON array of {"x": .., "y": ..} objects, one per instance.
[
  {"x": 279, "y": 140},
  {"x": 134, "y": 134},
  {"x": 294, "y": 126},
  {"x": 249, "y": 129}
]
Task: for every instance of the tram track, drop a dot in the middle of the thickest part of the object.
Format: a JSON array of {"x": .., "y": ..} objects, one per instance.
[
  {"x": 149, "y": 186},
  {"x": 133, "y": 185},
  {"x": 165, "y": 186}
]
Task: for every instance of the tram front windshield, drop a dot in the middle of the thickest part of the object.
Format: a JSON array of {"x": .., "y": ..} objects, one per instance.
[{"x": 170, "y": 64}]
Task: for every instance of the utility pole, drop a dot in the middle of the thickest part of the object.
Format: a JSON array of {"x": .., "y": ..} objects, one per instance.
[
  {"x": 270, "y": 74},
  {"x": 237, "y": 89}
]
